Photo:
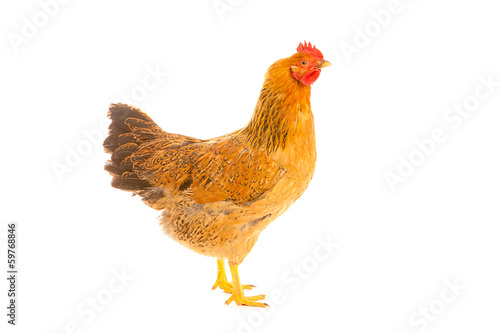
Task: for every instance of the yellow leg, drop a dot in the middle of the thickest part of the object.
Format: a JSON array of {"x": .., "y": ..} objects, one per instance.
[
  {"x": 222, "y": 282},
  {"x": 238, "y": 297}
]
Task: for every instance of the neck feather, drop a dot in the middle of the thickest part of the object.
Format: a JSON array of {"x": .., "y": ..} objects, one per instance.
[{"x": 282, "y": 100}]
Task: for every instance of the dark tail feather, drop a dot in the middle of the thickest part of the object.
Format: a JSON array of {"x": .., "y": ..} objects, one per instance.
[{"x": 129, "y": 129}]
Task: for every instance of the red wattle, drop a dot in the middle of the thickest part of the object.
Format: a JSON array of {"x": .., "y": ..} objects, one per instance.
[{"x": 310, "y": 77}]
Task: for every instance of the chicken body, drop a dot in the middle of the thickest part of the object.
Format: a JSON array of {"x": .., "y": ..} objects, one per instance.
[{"x": 218, "y": 195}]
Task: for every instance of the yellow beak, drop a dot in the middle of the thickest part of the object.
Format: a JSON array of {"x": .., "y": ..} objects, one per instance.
[{"x": 325, "y": 63}]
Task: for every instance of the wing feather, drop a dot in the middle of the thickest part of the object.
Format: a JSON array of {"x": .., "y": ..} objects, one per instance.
[{"x": 212, "y": 170}]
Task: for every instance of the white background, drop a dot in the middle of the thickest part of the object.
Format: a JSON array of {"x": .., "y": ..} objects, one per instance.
[{"x": 397, "y": 248}]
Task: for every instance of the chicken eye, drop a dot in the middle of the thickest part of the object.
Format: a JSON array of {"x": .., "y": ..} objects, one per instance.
[{"x": 303, "y": 63}]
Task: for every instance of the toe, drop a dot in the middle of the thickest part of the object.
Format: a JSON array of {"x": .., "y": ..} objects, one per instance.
[
  {"x": 248, "y": 301},
  {"x": 248, "y": 286},
  {"x": 256, "y": 297}
]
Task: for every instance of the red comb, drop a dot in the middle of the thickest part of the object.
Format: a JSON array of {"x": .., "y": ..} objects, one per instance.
[{"x": 310, "y": 49}]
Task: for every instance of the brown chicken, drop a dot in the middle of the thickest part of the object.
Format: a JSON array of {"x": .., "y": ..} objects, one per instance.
[{"x": 217, "y": 195}]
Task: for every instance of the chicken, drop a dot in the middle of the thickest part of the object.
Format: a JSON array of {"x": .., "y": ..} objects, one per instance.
[{"x": 218, "y": 195}]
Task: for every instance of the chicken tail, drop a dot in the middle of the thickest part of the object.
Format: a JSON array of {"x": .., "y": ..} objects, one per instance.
[{"x": 129, "y": 129}]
